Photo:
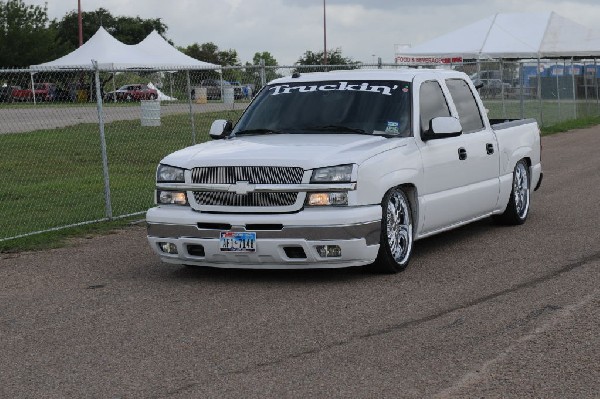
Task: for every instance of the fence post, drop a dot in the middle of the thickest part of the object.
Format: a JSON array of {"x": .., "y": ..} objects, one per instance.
[
  {"x": 539, "y": 91},
  {"x": 574, "y": 88},
  {"x": 558, "y": 91},
  {"x": 263, "y": 77},
  {"x": 522, "y": 82},
  {"x": 189, "y": 93},
  {"x": 502, "y": 88},
  {"x": 596, "y": 84},
  {"x": 107, "y": 201}
]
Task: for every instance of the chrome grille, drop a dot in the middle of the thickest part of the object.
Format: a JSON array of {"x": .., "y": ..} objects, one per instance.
[
  {"x": 250, "y": 199},
  {"x": 251, "y": 174}
]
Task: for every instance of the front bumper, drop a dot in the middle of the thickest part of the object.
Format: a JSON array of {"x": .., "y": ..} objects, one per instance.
[{"x": 356, "y": 230}]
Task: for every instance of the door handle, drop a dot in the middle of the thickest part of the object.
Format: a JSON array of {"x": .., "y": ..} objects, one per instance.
[
  {"x": 490, "y": 148},
  {"x": 462, "y": 154}
]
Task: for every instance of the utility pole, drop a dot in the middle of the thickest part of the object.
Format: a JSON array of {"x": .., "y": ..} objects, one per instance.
[
  {"x": 324, "y": 35},
  {"x": 80, "y": 23}
]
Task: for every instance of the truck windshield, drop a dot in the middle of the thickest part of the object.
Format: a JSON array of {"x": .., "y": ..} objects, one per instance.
[{"x": 341, "y": 107}]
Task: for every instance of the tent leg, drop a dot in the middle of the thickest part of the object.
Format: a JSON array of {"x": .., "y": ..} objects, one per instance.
[
  {"x": 558, "y": 92},
  {"x": 107, "y": 201},
  {"x": 189, "y": 94},
  {"x": 596, "y": 85}
]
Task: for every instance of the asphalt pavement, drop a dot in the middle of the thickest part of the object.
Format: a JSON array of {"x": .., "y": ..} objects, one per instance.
[{"x": 481, "y": 312}]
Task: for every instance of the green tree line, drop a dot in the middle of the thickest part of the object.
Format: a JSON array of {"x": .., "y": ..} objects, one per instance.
[{"x": 29, "y": 37}]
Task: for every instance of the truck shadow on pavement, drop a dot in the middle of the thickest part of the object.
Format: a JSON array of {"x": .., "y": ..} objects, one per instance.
[{"x": 435, "y": 244}]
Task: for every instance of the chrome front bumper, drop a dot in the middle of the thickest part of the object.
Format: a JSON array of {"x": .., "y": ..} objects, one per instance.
[{"x": 355, "y": 230}]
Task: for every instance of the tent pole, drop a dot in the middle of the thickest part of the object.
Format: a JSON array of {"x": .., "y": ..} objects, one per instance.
[
  {"x": 189, "y": 93},
  {"x": 33, "y": 87},
  {"x": 539, "y": 91},
  {"x": 107, "y": 201},
  {"x": 574, "y": 88}
]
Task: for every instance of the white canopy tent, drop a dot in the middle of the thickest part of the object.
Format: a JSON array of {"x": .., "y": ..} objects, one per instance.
[
  {"x": 111, "y": 54},
  {"x": 512, "y": 36}
]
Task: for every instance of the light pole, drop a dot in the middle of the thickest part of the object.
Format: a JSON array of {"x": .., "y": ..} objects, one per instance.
[
  {"x": 324, "y": 35},
  {"x": 79, "y": 22}
]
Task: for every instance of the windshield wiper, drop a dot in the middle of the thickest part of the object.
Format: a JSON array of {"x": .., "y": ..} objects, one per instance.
[
  {"x": 337, "y": 129},
  {"x": 248, "y": 132}
]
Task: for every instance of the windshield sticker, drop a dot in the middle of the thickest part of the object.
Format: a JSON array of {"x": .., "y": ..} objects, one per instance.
[
  {"x": 341, "y": 86},
  {"x": 392, "y": 127}
]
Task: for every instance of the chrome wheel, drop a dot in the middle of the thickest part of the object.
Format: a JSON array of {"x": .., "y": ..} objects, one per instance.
[
  {"x": 396, "y": 242},
  {"x": 521, "y": 190}
]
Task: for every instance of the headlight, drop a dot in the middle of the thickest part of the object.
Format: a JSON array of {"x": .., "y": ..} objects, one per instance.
[
  {"x": 171, "y": 197},
  {"x": 332, "y": 174},
  {"x": 169, "y": 174},
  {"x": 325, "y": 199}
]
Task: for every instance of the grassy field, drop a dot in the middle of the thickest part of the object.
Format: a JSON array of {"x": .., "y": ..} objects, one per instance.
[{"x": 53, "y": 178}]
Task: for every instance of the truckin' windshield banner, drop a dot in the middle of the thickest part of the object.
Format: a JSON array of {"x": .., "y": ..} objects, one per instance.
[{"x": 341, "y": 86}]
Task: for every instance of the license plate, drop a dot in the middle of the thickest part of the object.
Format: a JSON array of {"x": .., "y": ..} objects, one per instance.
[{"x": 231, "y": 241}]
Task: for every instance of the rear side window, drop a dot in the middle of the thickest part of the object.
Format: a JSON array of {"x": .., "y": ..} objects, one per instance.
[
  {"x": 432, "y": 103},
  {"x": 468, "y": 111}
]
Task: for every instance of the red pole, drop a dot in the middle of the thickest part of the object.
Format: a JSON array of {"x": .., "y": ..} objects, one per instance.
[
  {"x": 79, "y": 21},
  {"x": 324, "y": 36}
]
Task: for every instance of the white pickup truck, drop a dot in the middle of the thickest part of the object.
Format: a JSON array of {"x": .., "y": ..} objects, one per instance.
[{"x": 343, "y": 168}]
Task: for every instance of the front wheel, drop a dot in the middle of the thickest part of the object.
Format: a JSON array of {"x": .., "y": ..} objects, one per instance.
[
  {"x": 517, "y": 209},
  {"x": 396, "y": 241}
]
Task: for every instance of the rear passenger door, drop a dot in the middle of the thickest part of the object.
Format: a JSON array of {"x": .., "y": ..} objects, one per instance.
[{"x": 483, "y": 159}]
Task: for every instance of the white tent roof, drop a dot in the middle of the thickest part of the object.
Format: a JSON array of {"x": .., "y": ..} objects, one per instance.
[
  {"x": 158, "y": 48},
  {"x": 111, "y": 54},
  {"x": 514, "y": 35}
]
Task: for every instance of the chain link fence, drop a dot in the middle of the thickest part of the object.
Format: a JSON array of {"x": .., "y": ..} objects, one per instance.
[{"x": 81, "y": 146}]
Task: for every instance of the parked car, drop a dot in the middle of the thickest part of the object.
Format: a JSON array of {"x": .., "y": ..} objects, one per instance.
[
  {"x": 214, "y": 87},
  {"x": 131, "y": 92},
  {"x": 42, "y": 91},
  {"x": 344, "y": 168}
]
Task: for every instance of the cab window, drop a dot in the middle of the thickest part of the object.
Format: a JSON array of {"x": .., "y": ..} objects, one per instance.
[{"x": 468, "y": 111}]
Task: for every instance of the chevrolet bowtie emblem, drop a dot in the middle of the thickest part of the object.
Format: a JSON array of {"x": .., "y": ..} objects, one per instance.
[{"x": 241, "y": 187}]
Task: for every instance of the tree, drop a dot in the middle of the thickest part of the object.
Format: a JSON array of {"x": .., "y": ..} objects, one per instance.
[
  {"x": 129, "y": 30},
  {"x": 24, "y": 35},
  {"x": 266, "y": 56},
  {"x": 335, "y": 60},
  {"x": 209, "y": 52}
]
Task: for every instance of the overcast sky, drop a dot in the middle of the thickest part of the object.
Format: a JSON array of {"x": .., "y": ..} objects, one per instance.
[{"x": 363, "y": 29}]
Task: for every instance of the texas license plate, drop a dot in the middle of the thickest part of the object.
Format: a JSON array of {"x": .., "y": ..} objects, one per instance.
[{"x": 232, "y": 241}]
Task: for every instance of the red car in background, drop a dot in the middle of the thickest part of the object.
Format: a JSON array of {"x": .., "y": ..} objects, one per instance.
[
  {"x": 43, "y": 92},
  {"x": 131, "y": 92}
]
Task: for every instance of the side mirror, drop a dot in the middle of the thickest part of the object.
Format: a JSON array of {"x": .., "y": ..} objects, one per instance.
[
  {"x": 442, "y": 127},
  {"x": 220, "y": 129}
]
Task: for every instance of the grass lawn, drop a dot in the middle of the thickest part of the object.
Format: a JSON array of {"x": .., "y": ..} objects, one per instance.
[{"x": 53, "y": 178}]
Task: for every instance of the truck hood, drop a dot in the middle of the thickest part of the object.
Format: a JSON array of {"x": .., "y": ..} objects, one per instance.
[{"x": 299, "y": 150}]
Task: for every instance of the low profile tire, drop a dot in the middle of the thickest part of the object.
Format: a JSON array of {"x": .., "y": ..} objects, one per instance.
[
  {"x": 517, "y": 209},
  {"x": 396, "y": 241}
]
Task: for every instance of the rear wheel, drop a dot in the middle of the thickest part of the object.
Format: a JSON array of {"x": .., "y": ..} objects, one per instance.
[
  {"x": 396, "y": 241},
  {"x": 517, "y": 209}
]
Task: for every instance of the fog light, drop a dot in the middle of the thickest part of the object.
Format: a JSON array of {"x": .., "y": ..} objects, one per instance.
[
  {"x": 168, "y": 247},
  {"x": 172, "y": 197},
  {"x": 329, "y": 251},
  {"x": 321, "y": 199}
]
